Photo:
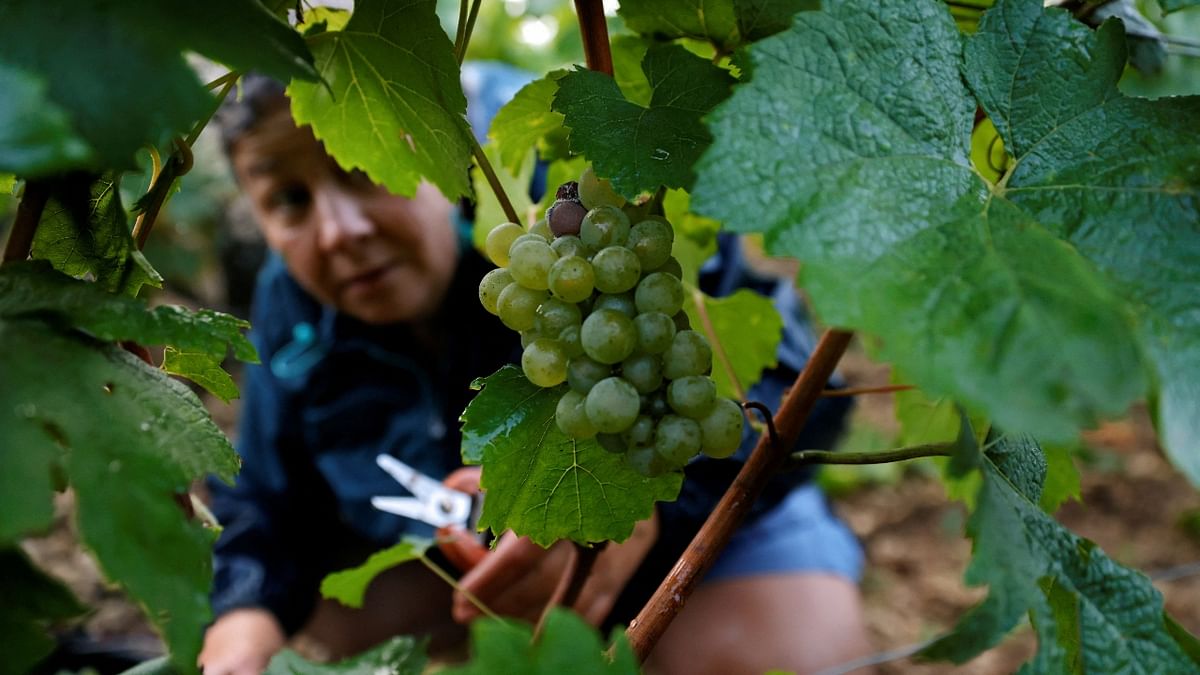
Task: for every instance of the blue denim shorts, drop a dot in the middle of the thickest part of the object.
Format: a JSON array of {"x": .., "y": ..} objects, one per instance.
[{"x": 801, "y": 534}]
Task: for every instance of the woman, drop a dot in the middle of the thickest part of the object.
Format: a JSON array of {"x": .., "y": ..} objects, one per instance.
[{"x": 370, "y": 332}]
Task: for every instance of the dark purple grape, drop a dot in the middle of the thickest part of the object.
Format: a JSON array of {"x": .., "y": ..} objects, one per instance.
[
  {"x": 565, "y": 217},
  {"x": 568, "y": 192}
]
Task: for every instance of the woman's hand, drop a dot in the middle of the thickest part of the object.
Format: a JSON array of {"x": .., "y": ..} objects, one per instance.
[
  {"x": 519, "y": 577},
  {"x": 241, "y": 642}
]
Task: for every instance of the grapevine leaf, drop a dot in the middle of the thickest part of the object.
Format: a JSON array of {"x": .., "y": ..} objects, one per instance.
[
  {"x": 83, "y": 230},
  {"x": 118, "y": 71},
  {"x": 726, "y": 25},
  {"x": 748, "y": 329},
  {"x": 628, "y": 52},
  {"x": 26, "y": 481},
  {"x": 1084, "y": 605},
  {"x": 524, "y": 120},
  {"x": 640, "y": 148},
  {"x": 349, "y": 586},
  {"x": 31, "y": 600},
  {"x": 864, "y": 174},
  {"x": 36, "y": 137},
  {"x": 488, "y": 212},
  {"x": 203, "y": 369},
  {"x": 404, "y": 655},
  {"x": 132, "y": 438},
  {"x": 542, "y": 484},
  {"x": 34, "y": 289},
  {"x": 1118, "y": 177},
  {"x": 1062, "y": 478},
  {"x": 391, "y": 103},
  {"x": 567, "y": 644},
  {"x": 1169, "y": 6}
]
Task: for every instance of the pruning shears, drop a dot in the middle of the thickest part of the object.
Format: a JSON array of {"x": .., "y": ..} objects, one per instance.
[{"x": 452, "y": 506}]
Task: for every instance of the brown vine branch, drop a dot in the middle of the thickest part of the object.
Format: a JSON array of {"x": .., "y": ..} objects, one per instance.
[
  {"x": 858, "y": 391},
  {"x": 594, "y": 28},
  {"x": 29, "y": 214},
  {"x": 718, "y": 348},
  {"x": 804, "y": 457},
  {"x": 494, "y": 181},
  {"x": 650, "y": 624}
]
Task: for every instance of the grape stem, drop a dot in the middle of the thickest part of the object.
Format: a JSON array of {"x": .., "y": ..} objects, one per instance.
[
  {"x": 29, "y": 213},
  {"x": 494, "y": 181},
  {"x": 718, "y": 348},
  {"x": 594, "y": 29},
  {"x": 471, "y": 597},
  {"x": 464, "y": 36},
  {"x": 805, "y": 457},
  {"x": 769, "y": 455}
]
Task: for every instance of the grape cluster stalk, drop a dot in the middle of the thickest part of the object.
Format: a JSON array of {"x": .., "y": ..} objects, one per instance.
[{"x": 596, "y": 296}]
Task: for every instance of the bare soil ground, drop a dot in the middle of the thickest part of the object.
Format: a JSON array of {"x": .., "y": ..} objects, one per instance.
[{"x": 1135, "y": 506}]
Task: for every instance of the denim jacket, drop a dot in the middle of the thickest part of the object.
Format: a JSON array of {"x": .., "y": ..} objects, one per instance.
[{"x": 332, "y": 393}]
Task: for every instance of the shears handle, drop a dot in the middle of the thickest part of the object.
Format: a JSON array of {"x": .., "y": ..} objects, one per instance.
[{"x": 463, "y": 548}]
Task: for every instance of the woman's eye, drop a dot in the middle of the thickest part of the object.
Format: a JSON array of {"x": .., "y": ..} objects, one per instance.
[{"x": 290, "y": 198}]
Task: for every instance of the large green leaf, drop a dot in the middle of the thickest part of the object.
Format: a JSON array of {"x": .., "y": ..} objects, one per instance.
[
  {"x": 567, "y": 644},
  {"x": 859, "y": 166},
  {"x": 524, "y": 120},
  {"x": 1084, "y": 605},
  {"x": 31, "y": 601},
  {"x": 349, "y": 586},
  {"x": 36, "y": 137},
  {"x": 727, "y": 25},
  {"x": 747, "y": 329},
  {"x": 639, "y": 148},
  {"x": 117, "y": 68},
  {"x": 391, "y": 103},
  {"x": 542, "y": 484},
  {"x": 84, "y": 230},
  {"x": 1176, "y": 5},
  {"x": 1118, "y": 177},
  {"x": 404, "y": 655},
  {"x": 130, "y": 438},
  {"x": 202, "y": 368},
  {"x": 33, "y": 289}
]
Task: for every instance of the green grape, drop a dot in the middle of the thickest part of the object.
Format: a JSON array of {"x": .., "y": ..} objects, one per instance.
[
  {"x": 554, "y": 315},
  {"x": 721, "y": 429},
  {"x": 651, "y": 240},
  {"x": 542, "y": 229},
  {"x": 681, "y": 320},
  {"x": 544, "y": 362},
  {"x": 569, "y": 245},
  {"x": 655, "y": 404},
  {"x": 571, "y": 417},
  {"x": 604, "y": 226},
  {"x": 522, "y": 239},
  {"x": 612, "y": 405},
  {"x": 517, "y": 306},
  {"x": 595, "y": 191},
  {"x": 618, "y": 302},
  {"x": 617, "y": 270},
  {"x": 644, "y": 372},
  {"x": 499, "y": 240},
  {"x": 692, "y": 396},
  {"x": 672, "y": 267},
  {"x": 528, "y": 336},
  {"x": 490, "y": 287},
  {"x": 530, "y": 262},
  {"x": 583, "y": 373},
  {"x": 658, "y": 292},
  {"x": 608, "y": 336},
  {"x": 572, "y": 279},
  {"x": 612, "y": 443},
  {"x": 640, "y": 433},
  {"x": 677, "y": 439},
  {"x": 655, "y": 332},
  {"x": 689, "y": 354},
  {"x": 646, "y": 461},
  {"x": 571, "y": 344}
]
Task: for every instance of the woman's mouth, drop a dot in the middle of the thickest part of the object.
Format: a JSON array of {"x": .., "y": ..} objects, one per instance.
[{"x": 371, "y": 281}]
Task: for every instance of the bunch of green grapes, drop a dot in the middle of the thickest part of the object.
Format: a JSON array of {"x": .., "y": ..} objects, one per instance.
[{"x": 598, "y": 302}]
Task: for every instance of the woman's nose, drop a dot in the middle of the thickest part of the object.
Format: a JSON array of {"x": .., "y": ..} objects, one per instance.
[{"x": 343, "y": 217}]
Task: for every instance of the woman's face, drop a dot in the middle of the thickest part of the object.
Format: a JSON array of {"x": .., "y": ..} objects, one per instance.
[{"x": 350, "y": 243}]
